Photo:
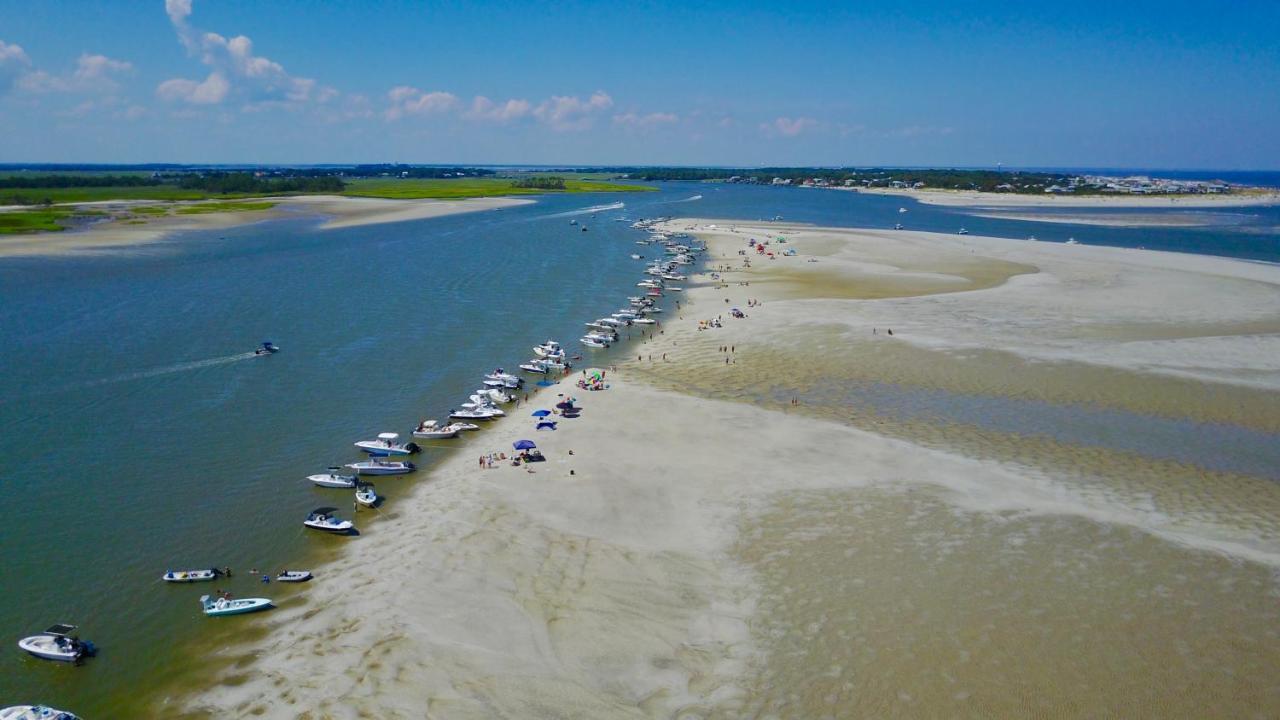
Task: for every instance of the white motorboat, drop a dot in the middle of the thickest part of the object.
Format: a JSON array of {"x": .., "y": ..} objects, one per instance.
[
  {"x": 189, "y": 576},
  {"x": 294, "y": 576},
  {"x": 672, "y": 288},
  {"x": 963, "y": 232},
  {"x": 58, "y": 643},
  {"x": 333, "y": 479},
  {"x": 324, "y": 519},
  {"x": 222, "y": 606},
  {"x": 645, "y": 321},
  {"x": 504, "y": 376},
  {"x": 649, "y": 284},
  {"x": 367, "y": 496},
  {"x": 672, "y": 276},
  {"x": 534, "y": 367},
  {"x": 430, "y": 430},
  {"x": 496, "y": 396},
  {"x": 635, "y": 256},
  {"x": 549, "y": 348},
  {"x": 378, "y": 466},
  {"x": 267, "y": 348},
  {"x": 35, "y": 712},
  {"x": 387, "y": 444},
  {"x": 463, "y": 427},
  {"x": 482, "y": 413},
  {"x": 592, "y": 342},
  {"x": 557, "y": 364},
  {"x": 612, "y": 322}
]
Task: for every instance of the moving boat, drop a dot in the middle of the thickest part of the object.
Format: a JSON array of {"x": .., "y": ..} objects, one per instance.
[
  {"x": 378, "y": 466},
  {"x": 323, "y": 519},
  {"x": 239, "y": 606},
  {"x": 294, "y": 576},
  {"x": 430, "y": 430},
  {"x": 366, "y": 496},
  {"x": 268, "y": 348},
  {"x": 35, "y": 712},
  {"x": 57, "y": 643},
  {"x": 333, "y": 479},
  {"x": 386, "y": 445},
  {"x": 189, "y": 576}
]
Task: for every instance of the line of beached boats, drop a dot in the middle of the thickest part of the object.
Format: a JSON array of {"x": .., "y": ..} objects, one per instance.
[{"x": 387, "y": 454}]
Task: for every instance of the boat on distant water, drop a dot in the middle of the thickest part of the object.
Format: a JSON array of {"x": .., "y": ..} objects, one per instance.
[
  {"x": 333, "y": 479},
  {"x": 387, "y": 444},
  {"x": 35, "y": 712},
  {"x": 189, "y": 576},
  {"x": 324, "y": 520},
  {"x": 58, "y": 643},
  {"x": 897, "y": 226},
  {"x": 268, "y": 348},
  {"x": 963, "y": 232},
  {"x": 222, "y": 606},
  {"x": 378, "y": 466}
]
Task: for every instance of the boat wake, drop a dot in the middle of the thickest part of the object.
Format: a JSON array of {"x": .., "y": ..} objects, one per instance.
[
  {"x": 170, "y": 369},
  {"x": 588, "y": 210}
]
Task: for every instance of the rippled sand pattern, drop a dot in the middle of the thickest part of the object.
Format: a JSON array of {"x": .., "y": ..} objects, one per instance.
[{"x": 892, "y": 604}]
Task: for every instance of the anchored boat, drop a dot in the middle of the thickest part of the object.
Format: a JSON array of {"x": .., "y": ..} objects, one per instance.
[
  {"x": 189, "y": 576},
  {"x": 58, "y": 643},
  {"x": 378, "y": 466},
  {"x": 387, "y": 444},
  {"x": 222, "y": 606},
  {"x": 323, "y": 519}
]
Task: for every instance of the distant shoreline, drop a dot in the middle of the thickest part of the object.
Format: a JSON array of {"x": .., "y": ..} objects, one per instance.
[{"x": 126, "y": 230}]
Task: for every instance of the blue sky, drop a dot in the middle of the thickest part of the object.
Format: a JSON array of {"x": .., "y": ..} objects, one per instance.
[{"x": 1116, "y": 84}]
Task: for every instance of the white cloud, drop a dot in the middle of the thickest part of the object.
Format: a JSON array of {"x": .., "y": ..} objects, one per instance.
[
  {"x": 643, "y": 122},
  {"x": 99, "y": 68},
  {"x": 482, "y": 108},
  {"x": 262, "y": 82},
  {"x": 14, "y": 63},
  {"x": 406, "y": 100},
  {"x": 572, "y": 113},
  {"x": 788, "y": 127},
  {"x": 210, "y": 92}
]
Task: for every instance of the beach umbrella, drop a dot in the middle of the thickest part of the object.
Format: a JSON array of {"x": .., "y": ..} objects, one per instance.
[
  {"x": 541, "y": 413},
  {"x": 523, "y": 445}
]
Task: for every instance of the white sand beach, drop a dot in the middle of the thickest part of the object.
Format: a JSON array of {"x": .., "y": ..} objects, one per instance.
[
  {"x": 125, "y": 229},
  {"x": 713, "y": 558},
  {"x": 965, "y": 198}
]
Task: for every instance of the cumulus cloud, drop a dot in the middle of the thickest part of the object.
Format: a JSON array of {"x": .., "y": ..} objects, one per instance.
[
  {"x": 234, "y": 67},
  {"x": 211, "y": 91},
  {"x": 406, "y": 100},
  {"x": 14, "y": 63},
  {"x": 788, "y": 127},
  {"x": 482, "y": 108},
  {"x": 566, "y": 113}
]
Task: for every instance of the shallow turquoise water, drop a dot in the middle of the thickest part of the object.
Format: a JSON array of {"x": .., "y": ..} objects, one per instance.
[{"x": 137, "y": 434}]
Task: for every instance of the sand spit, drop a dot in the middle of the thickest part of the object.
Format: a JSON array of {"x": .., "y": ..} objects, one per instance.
[
  {"x": 994, "y": 200},
  {"x": 1129, "y": 309},
  {"x": 699, "y": 557},
  {"x": 126, "y": 229},
  {"x": 1169, "y": 220}
]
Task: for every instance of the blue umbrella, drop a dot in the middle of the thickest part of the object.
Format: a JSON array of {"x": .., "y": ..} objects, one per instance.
[
  {"x": 541, "y": 413},
  {"x": 523, "y": 445}
]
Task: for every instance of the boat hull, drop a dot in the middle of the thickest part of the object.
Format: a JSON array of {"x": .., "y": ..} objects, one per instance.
[{"x": 382, "y": 470}]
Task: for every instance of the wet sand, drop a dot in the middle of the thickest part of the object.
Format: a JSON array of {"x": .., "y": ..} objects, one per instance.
[{"x": 720, "y": 552}]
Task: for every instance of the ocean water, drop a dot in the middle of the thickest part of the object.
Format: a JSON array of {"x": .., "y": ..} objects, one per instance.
[{"x": 138, "y": 432}]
